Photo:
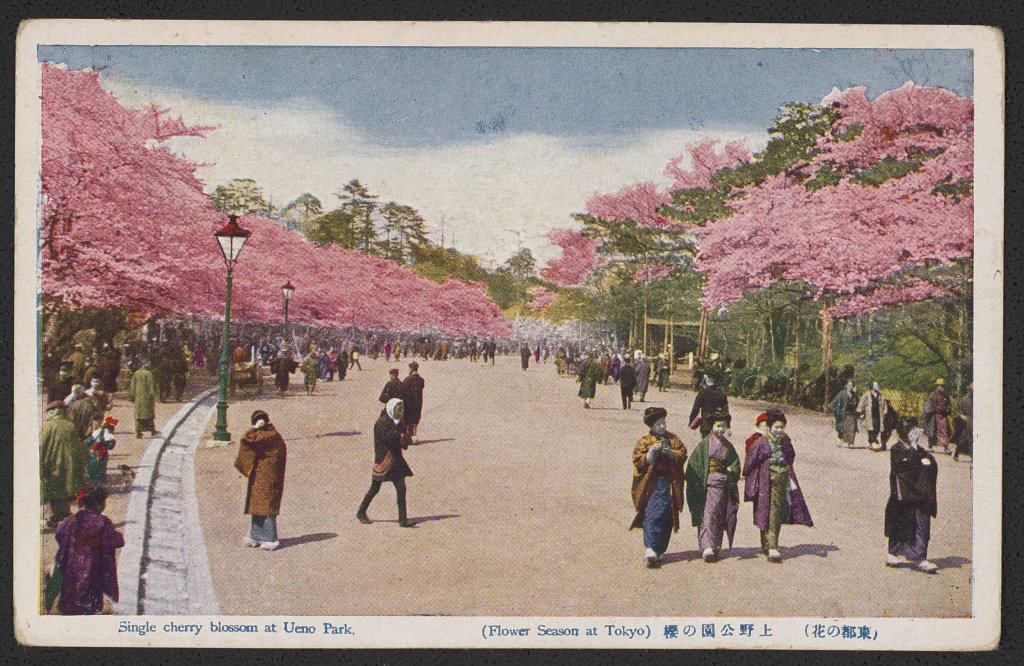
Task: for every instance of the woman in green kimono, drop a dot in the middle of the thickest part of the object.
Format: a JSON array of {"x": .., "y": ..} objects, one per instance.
[
  {"x": 310, "y": 367},
  {"x": 711, "y": 490}
]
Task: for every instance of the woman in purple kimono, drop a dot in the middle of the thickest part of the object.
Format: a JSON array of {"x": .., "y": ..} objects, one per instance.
[
  {"x": 772, "y": 486},
  {"x": 86, "y": 543},
  {"x": 711, "y": 490}
]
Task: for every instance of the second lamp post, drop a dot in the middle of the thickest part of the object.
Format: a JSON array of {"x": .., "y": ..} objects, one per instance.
[{"x": 287, "y": 290}]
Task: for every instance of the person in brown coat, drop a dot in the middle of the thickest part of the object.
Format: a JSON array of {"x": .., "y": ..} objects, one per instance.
[{"x": 262, "y": 454}]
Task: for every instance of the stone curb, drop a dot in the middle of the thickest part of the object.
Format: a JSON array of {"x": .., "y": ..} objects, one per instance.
[{"x": 137, "y": 519}]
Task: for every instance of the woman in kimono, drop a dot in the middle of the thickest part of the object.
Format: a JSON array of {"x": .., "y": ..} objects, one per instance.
[
  {"x": 388, "y": 462},
  {"x": 711, "y": 490},
  {"x": 661, "y": 372},
  {"x": 262, "y": 456},
  {"x": 86, "y": 543},
  {"x": 844, "y": 407},
  {"x": 643, "y": 375},
  {"x": 912, "y": 500},
  {"x": 772, "y": 486},
  {"x": 309, "y": 369},
  {"x": 659, "y": 471}
]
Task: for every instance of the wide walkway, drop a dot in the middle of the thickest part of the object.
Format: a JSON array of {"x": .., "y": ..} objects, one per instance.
[{"x": 522, "y": 499}]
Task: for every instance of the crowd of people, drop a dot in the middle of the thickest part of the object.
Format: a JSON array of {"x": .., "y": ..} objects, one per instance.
[
  {"x": 666, "y": 479},
  {"x": 945, "y": 423},
  {"x": 78, "y": 435}
]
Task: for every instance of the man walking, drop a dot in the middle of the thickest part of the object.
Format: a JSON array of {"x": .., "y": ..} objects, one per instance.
[
  {"x": 412, "y": 397},
  {"x": 142, "y": 392},
  {"x": 627, "y": 383}
]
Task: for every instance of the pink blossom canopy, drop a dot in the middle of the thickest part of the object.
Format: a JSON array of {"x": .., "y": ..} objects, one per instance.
[
  {"x": 640, "y": 202},
  {"x": 579, "y": 255},
  {"x": 125, "y": 222}
]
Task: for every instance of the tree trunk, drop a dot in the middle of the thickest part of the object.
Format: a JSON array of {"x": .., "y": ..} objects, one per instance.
[
  {"x": 826, "y": 352},
  {"x": 702, "y": 337},
  {"x": 796, "y": 352}
]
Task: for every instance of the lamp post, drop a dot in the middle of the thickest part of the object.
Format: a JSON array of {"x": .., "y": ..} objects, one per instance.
[
  {"x": 287, "y": 290},
  {"x": 231, "y": 238}
]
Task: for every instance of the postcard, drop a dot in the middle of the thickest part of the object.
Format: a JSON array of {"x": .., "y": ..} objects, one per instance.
[{"x": 508, "y": 335}]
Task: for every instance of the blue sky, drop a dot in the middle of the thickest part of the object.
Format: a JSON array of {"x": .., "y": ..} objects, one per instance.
[{"x": 443, "y": 128}]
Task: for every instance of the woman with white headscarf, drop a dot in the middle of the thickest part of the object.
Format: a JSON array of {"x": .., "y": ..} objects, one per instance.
[
  {"x": 912, "y": 499},
  {"x": 388, "y": 462}
]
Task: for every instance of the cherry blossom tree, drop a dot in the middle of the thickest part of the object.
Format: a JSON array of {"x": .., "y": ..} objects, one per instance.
[
  {"x": 126, "y": 223},
  {"x": 542, "y": 298},
  {"x": 888, "y": 190},
  {"x": 120, "y": 213},
  {"x": 640, "y": 202},
  {"x": 579, "y": 255},
  {"x": 651, "y": 272},
  {"x": 705, "y": 163}
]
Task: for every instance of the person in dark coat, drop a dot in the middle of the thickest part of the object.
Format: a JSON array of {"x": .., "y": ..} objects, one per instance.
[
  {"x": 412, "y": 399},
  {"x": 342, "y": 364},
  {"x": 709, "y": 400},
  {"x": 107, "y": 369},
  {"x": 393, "y": 389},
  {"x": 772, "y": 486},
  {"x": 524, "y": 355},
  {"x": 912, "y": 499},
  {"x": 844, "y": 408},
  {"x": 282, "y": 366},
  {"x": 61, "y": 387},
  {"x": 262, "y": 455},
  {"x": 588, "y": 376},
  {"x": 86, "y": 543},
  {"x": 627, "y": 382},
  {"x": 388, "y": 462},
  {"x": 934, "y": 419},
  {"x": 963, "y": 431}
]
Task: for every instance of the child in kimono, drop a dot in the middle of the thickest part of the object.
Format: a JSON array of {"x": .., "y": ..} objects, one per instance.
[{"x": 100, "y": 442}]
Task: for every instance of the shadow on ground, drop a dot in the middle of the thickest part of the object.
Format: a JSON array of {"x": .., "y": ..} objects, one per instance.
[
  {"x": 420, "y": 519},
  {"x": 950, "y": 562},
  {"x": 433, "y": 441},
  {"x": 341, "y": 433},
  {"x": 306, "y": 538},
  {"x": 788, "y": 553}
]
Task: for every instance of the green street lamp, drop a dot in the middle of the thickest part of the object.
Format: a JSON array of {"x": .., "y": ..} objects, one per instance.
[
  {"x": 287, "y": 290},
  {"x": 231, "y": 238}
]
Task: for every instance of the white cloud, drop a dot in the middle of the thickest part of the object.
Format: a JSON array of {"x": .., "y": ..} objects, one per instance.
[{"x": 525, "y": 183}]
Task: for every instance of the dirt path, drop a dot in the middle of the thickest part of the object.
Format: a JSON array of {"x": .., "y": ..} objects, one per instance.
[{"x": 522, "y": 499}]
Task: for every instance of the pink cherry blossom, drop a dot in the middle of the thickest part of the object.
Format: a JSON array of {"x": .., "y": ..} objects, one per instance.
[
  {"x": 125, "y": 222},
  {"x": 652, "y": 272},
  {"x": 579, "y": 255},
  {"x": 542, "y": 298},
  {"x": 705, "y": 163},
  {"x": 639, "y": 202}
]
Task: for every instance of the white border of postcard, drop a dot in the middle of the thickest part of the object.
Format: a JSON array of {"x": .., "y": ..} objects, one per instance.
[{"x": 978, "y": 632}]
